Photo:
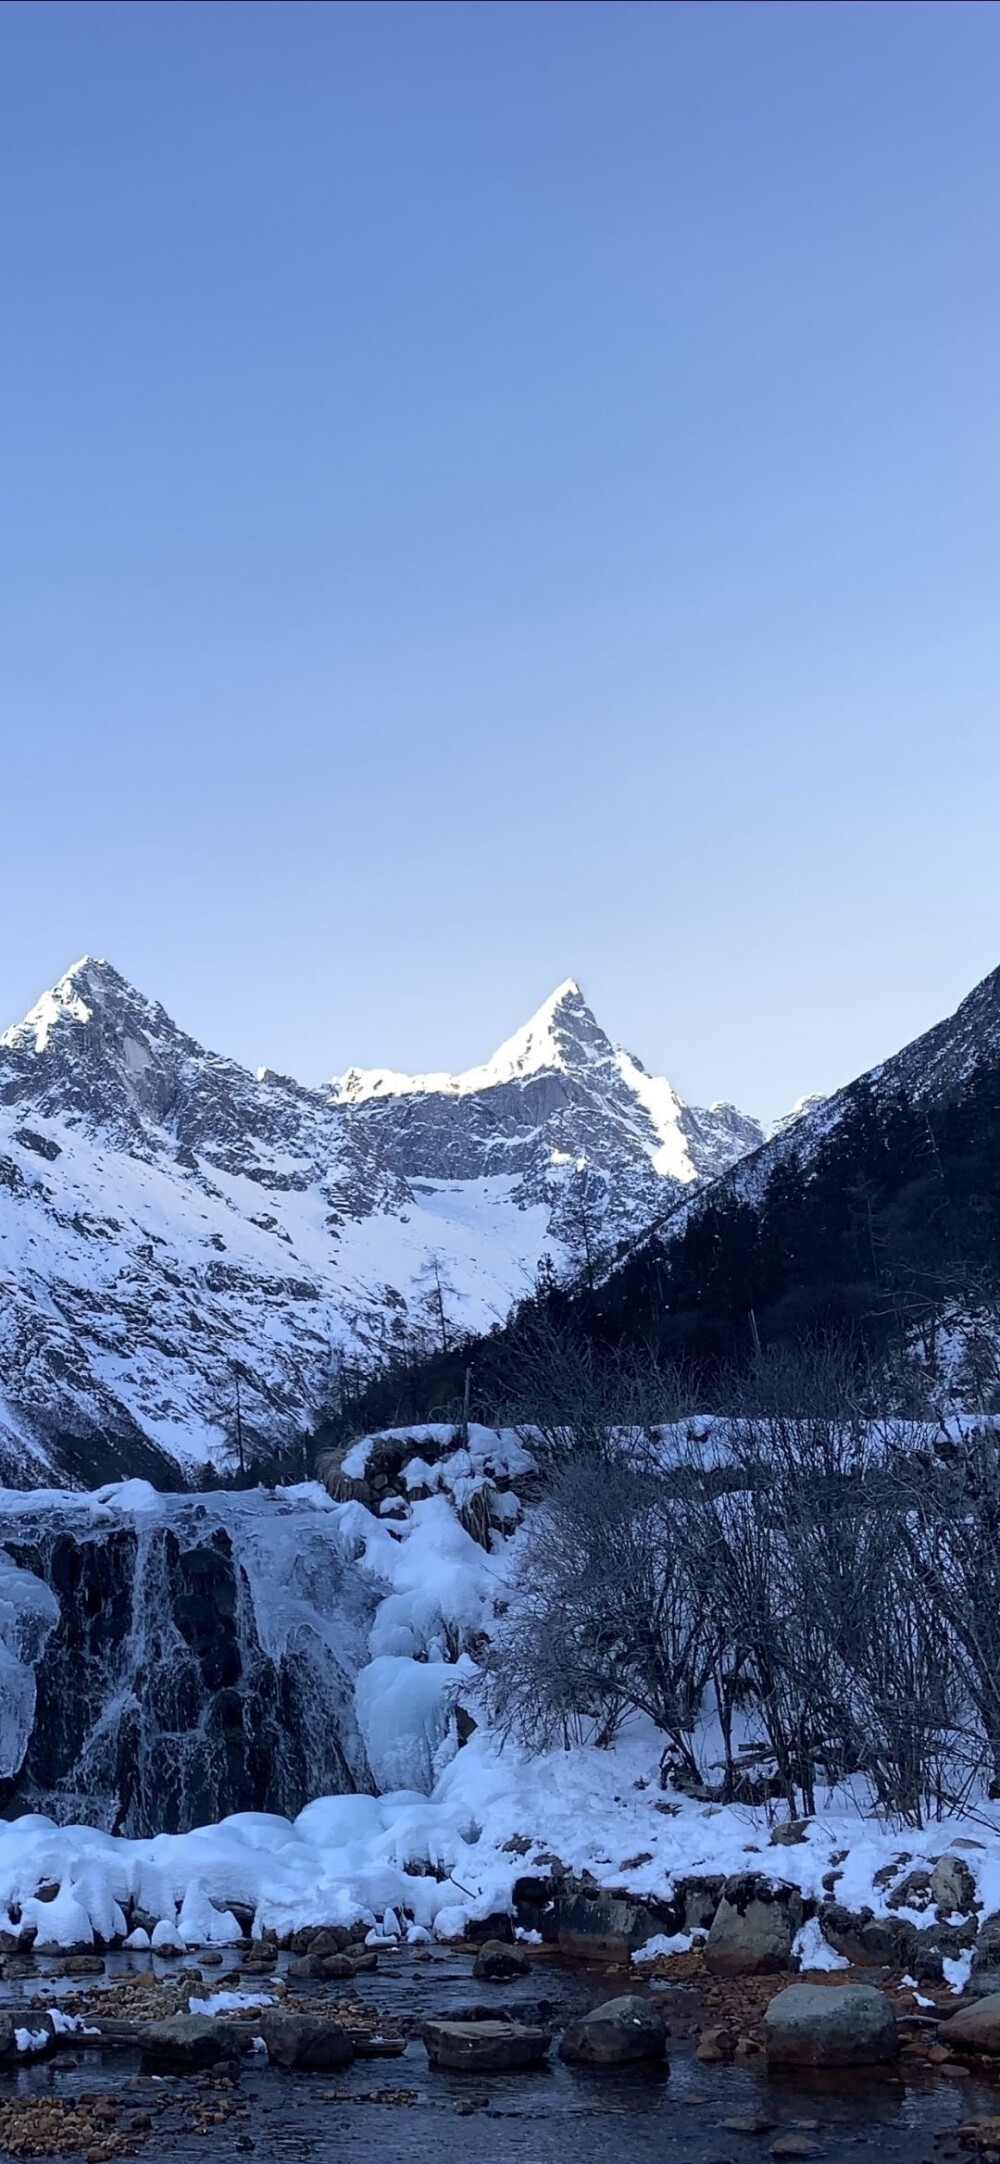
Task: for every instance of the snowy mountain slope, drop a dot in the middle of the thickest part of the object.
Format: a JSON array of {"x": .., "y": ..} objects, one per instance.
[
  {"x": 174, "y": 1229},
  {"x": 558, "y": 1092}
]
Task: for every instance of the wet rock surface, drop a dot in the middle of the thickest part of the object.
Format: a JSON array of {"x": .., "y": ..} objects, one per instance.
[
  {"x": 809, "y": 2025},
  {"x": 753, "y": 1926},
  {"x": 616, "y": 2033}
]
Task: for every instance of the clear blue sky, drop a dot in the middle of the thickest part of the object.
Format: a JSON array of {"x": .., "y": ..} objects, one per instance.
[{"x": 490, "y": 493}]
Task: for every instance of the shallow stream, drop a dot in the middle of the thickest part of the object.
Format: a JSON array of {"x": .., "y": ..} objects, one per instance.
[{"x": 381, "y": 2110}]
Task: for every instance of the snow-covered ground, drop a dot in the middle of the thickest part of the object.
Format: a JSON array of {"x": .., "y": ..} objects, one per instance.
[{"x": 455, "y": 1826}]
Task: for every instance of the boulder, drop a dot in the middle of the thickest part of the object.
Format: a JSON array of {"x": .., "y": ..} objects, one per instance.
[
  {"x": 953, "y": 1886},
  {"x": 191, "y": 2040},
  {"x": 830, "y": 2025},
  {"x": 497, "y": 1963},
  {"x": 985, "y": 1977},
  {"x": 975, "y": 2027},
  {"x": 304, "y": 2040},
  {"x": 306, "y": 1969},
  {"x": 867, "y": 1940},
  {"x": 484, "y": 2047},
  {"x": 339, "y": 1966},
  {"x": 696, "y": 1901},
  {"x": 615, "y": 2034},
  {"x": 328, "y": 1939},
  {"x": 789, "y": 1832},
  {"x": 753, "y": 1927}
]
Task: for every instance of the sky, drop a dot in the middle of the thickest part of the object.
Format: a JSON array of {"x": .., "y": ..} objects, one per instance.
[{"x": 494, "y": 493}]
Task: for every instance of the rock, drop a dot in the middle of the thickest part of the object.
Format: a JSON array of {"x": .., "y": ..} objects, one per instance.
[
  {"x": 329, "y": 1939},
  {"x": 304, "y": 2040},
  {"x": 82, "y": 1965},
  {"x": 985, "y": 1977},
  {"x": 364, "y": 1959},
  {"x": 484, "y": 2047},
  {"x": 953, "y": 1886},
  {"x": 715, "y": 2044},
  {"x": 696, "y": 1901},
  {"x": 749, "y": 2122},
  {"x": 496, "y": 1963},
  {"x": 339, "y": 1966},
  {"x": 795, "y": 2145},
  {"x": 913, "y": 1892},
  {"x": 975, "y": 2027},
  {"x": 789, "y": 1832},
  {"x": 867, "y": 1940},
  {"x": 191, "y": 2040},
  {"x": 615, "y": 2034},
  {"x": 307, "y": 1969},
  {"x": 830, "y": 2025},
  {"x": 753, "y": 1927}
]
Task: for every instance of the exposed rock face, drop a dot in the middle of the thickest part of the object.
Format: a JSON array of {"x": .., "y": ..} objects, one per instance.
[
  {"x": 583, "y": 1918},
  {"x": 867, "y": 1940},
  {"x": 830, "y": 2025},
  {"x": 615, "y": 2034},
  {"x": 484, "y": 2047},
  {"x": 201, "y": 1660},
  {"x": 754, "y": 1925},
  {"x": 167, "y": 1218}
]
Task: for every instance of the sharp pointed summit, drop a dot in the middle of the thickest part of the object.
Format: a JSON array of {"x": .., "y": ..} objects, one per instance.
[{"x": 165, "y": 1213}]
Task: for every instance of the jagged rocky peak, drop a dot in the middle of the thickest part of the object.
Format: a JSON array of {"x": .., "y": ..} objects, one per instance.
[
  {"x": 559, "y": 1093},
  {"x": 562, "y": 1035}
]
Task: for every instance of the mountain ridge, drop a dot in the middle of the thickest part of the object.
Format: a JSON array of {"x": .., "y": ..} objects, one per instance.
[{"x": 177, "y": 1231}]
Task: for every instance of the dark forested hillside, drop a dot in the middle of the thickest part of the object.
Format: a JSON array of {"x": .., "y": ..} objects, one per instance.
[
  {"x": 896, "y": 1211},
  {"x": 882, "y": 1210}
]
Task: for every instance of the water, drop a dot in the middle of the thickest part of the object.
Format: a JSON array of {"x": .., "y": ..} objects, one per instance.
[{"x": 903, "y": 2115}]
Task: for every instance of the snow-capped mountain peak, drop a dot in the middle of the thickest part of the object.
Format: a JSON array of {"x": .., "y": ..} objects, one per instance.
[
  {"x": 561, "y": 1033},
  {"x": 166, "y": 1216}
]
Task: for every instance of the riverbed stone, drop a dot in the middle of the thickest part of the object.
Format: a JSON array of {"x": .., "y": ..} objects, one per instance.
[
  {"x": 975, "y": 2027},
  {"x": 754, "y": 1926},
  {"x": 193, "y": 2040},
  {"x": 306, "y": 2041},
  {"x": 484, "y": 2047},
  {"x": 830, "y": 2025},
  {"x": 615, "y": 2034},
  {"x": 497, "y": 1963}
]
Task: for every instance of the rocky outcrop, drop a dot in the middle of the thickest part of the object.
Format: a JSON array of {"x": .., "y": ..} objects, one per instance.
[
  {"x": 830, "y": 2025},
  {"x": 617, "y": 2033},
  {"x": 754, "y": 1926},
  {"x": 190, "y": 1671},
  {"x": 596, "y": 1923}
]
